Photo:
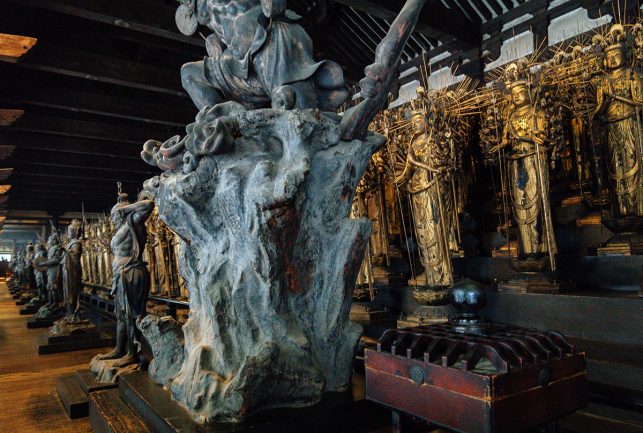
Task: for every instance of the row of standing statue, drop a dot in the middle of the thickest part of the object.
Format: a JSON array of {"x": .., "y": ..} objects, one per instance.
[
  {"x": 578, "y": 114},
  {"x": 50, "y": 273},
  {"x": 160, "y": 254}
]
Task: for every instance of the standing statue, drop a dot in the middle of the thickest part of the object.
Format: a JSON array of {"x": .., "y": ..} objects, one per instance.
[
  {"x": 54, "y": 278},
  {"x": 524, "y": 143},
  {"x": 72, "y": 271},
  {"x": 40, "y": 271},
  {"x": 130, "y": 287},
  {"x": 29, "y": 256},
  {"x": 429, "y": 166},
  {"x": 619, "y": 102}
]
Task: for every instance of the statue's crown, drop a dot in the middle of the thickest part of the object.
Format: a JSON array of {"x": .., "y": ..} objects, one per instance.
[
  {"x": 616, "y": 38},
  {"x": 418, "y": 105}
]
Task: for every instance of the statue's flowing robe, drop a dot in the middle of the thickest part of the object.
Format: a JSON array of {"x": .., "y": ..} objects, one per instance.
[
  {"x": 434, "y": 225},
  {"x": 259, "y": 56},
  {"x": 528, "y": 178},
  {"x": 624, "y": 156}
]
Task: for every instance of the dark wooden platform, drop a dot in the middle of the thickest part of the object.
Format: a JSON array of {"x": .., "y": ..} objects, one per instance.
[
  {"x": 140, "y": 405},
  {"x": 33, "y": 323},
  {"x": 74, "y": 389},
  {"x": 29, "y": 309},
  {"x": 47, "y": 344}
]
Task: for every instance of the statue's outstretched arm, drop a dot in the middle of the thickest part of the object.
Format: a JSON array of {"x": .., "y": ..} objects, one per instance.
[{"x": 381, "y": 75}]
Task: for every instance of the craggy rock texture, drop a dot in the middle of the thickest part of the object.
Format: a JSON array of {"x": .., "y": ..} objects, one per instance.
[
  {"x": 269, "y": 256},
  {"x": 165, "y": 337}
]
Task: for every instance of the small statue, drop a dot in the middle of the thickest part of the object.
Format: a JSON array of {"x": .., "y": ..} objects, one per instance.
[
  {"x": 429, "y": 167},
  {"x": 619, "y": 99},
  {"x": 72, "y": 271},
  {"x": 130, "y": 286}
]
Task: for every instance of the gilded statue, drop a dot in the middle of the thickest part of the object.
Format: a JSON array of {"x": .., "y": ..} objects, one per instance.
[
  {"x": 429, "y": 167},
  {"x": 619, "y": 100},
  {"x": 525, "y": 136}
]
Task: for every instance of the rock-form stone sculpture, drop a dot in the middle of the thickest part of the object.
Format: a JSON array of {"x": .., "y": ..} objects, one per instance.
[
  {"x": 130, "y": 288},
  {"x": 261, "y": 200},
  {"x": 167, "y": 349}
]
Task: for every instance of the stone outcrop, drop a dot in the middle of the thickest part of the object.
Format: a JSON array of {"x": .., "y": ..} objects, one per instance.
[{"x": 261, "y": 200}]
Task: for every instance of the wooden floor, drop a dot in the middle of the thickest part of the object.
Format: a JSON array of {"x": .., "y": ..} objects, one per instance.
[{"x": 28, "y": 398}]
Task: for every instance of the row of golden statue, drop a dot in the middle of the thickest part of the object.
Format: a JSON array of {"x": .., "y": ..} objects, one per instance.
[
  {"x": 161, "y": 256},
  {"x": 578, "y": 112}
]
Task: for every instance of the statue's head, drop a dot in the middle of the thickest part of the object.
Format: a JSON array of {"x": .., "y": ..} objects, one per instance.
[
  {"x": 520, "y": 93},
  {"x": 74, "y": 229},
  {"x": 117, "y": 214},
  {"x": 615, "y": 56},
  {"x": 418, "y": 121},
  {"x": 30, "y": 247},
  {"x": 40, "y": 246},
  {"x": 53, "y": 239},
  {"x": 615, "y": 47}
]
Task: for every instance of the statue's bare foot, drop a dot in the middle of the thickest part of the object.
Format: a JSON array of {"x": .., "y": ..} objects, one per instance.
[
  {"x": 124, "y": 361},
  {"x": 114, "y": 354}
]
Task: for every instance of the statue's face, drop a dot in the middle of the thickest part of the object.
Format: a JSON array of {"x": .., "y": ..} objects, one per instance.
[
  {"x": 53, "y": 240},
  {"x": 520, "y": 95},
  {"x": 615, "y": 58},
  {"x": 419, "y": 124}
]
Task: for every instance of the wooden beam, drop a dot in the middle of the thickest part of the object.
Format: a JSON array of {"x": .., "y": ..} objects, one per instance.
[
  {"x": 6, "y": 150},
  {"x": 80, "y": 173},
  {"x": 59, "y": 98},
  {"x": 94, "y": 179},
  {"x": 13, "y": 47},
  {"x": 145, "y": 16},
  {"x": 110, "y": 163},
  {"x": 5, "y": 173},
  {"x": 436, "y": 20},
  {"x": 81, "y": 146},
  {"x": 97, "y": 67},
  {"x": 9, "y": 116},
  {"x": 19, "y": 181},
  {"x": 92, "y": 130}
]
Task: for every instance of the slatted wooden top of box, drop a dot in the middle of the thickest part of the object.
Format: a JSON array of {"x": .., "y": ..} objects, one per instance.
[{"x": 501, "y": 379}]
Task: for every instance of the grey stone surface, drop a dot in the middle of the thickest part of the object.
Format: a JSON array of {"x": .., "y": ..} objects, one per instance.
[
  {"x": 261, "y": 203},
  {"x": 165, "y": 338}
]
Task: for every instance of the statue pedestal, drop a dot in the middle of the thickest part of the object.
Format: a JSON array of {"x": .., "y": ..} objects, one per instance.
[
  {"x": 65, "y": 337},
  {"x": 534, "y": 283},
  {"x": 143, "y": 406},
  {"x": 368, "y": 314},
  {"x": 622, "y": 244},
  {"x": 425, "y": 315},
  {"x": 74, "y": 389},
  {"x": 35, "y": 322}
]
